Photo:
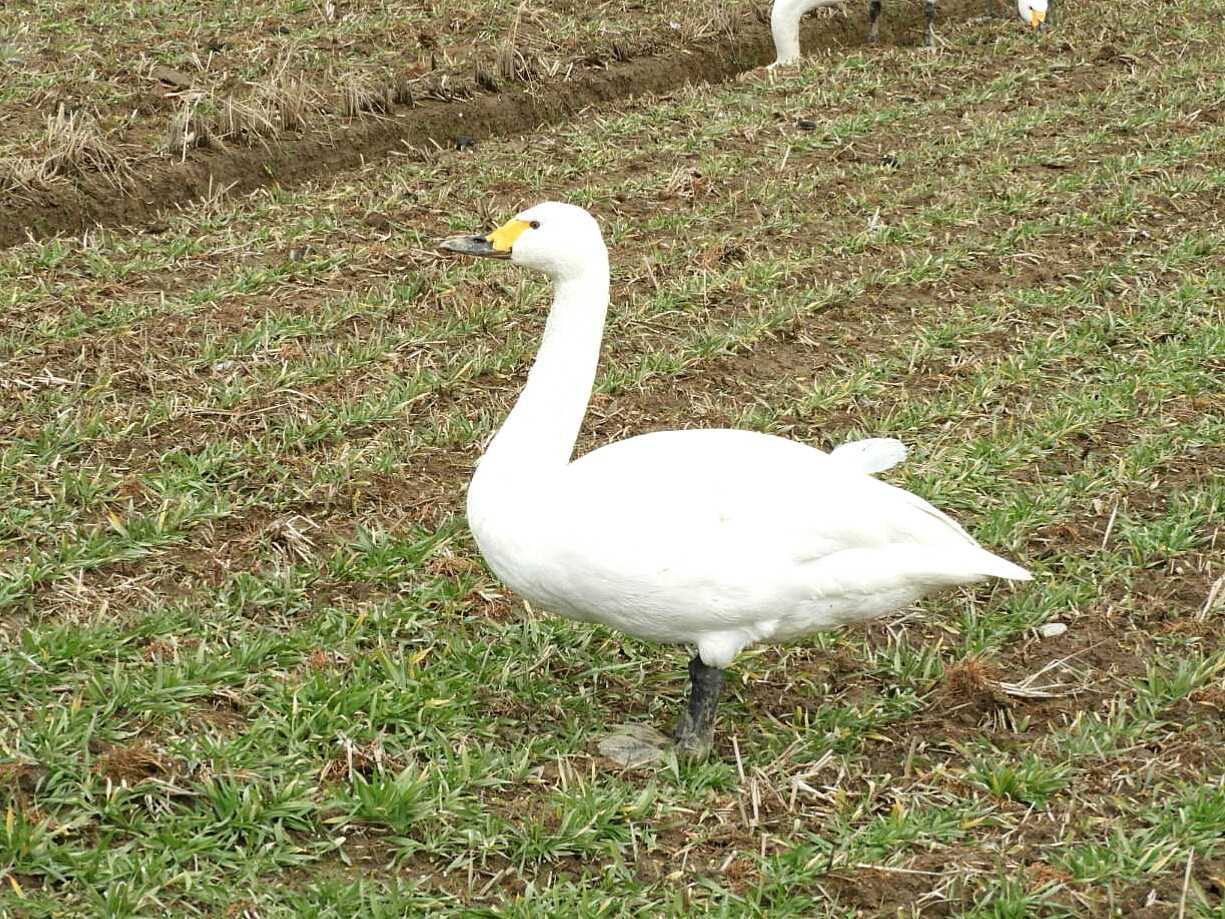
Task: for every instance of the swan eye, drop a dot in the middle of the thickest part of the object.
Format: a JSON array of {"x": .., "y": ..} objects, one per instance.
[{"x": 535, "y": 224}]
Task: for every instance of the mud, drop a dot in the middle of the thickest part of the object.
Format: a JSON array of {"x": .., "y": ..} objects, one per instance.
[{"x": 94, "y": 201}]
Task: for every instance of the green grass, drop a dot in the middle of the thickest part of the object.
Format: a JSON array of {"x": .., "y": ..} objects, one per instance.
[{"x": 251, "y": 661}]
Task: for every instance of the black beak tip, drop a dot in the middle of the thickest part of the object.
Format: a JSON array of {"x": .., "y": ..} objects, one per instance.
[{"x": 467, "y": 245}]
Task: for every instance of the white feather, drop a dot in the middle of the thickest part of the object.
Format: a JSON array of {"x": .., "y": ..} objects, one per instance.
[
  {"x": 873, "y": 454},
  {"x": 716, "y": 538}
]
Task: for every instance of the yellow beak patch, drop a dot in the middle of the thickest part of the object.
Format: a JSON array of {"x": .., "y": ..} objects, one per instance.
[
  {"x": 1036, "y": 17},
  {"x": 503, "y": 238}
]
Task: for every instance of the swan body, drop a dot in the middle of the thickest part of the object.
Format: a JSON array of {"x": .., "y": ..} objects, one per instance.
[
  {"x": 713, "y": 538},
  {"x": 721, "y": 539}
]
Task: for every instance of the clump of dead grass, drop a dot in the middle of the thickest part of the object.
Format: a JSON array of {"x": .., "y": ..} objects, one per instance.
[
  {"x": 323, "y": 659},
  {"x": 621, "y": 51},
  {"x": 291, "y": 538},
  {"x": 355, "y": 759},
  {"x": 401, "y": 92},
  {"x": 287, "y": 102},
  {"x": 292, "y": 99},
  {"x": 359, "y": 96},
  {"x": 485, "y": 79},
  {"x": 717, "y": 21},
  {"x": 512, "y": 64},
  {"x": 972, "y": 681},
  {"x": 189, "y": 129},
  {"x": 285, "y": 99},
  {"x": 687, "y": 184},
  {"x": 282, "y": 102},
  {"x": 72, "y": 145},
  {"x": 134, "y": 763},
  {"x": 247, "y": 121}
]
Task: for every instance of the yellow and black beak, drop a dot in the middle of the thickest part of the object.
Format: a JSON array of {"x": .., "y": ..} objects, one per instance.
[
  {"x": 497, "y": 244},
  {"x": 1036, "y": 18}
]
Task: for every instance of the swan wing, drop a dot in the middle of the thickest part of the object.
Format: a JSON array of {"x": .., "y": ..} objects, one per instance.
[
  {"x": 872, "y": 454},
  {"x": 744, "y": 492},
  {"x": 736, "y": 523}
]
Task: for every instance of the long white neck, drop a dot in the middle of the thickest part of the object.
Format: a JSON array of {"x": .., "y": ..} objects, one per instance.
[
  {"x": 538, "y": 436},
  {"x": 785, "y": 18}
]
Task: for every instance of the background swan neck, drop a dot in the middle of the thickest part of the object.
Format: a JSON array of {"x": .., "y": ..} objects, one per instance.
[
  {"x": 539, "y": 434},
  {"x": 785, "y": 18}
]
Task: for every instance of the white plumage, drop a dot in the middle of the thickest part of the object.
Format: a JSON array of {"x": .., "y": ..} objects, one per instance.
[
  {"x": 712, "y": 538},
  {"x": 720, "y": 539},
  {"x": 785, "y": 16}
]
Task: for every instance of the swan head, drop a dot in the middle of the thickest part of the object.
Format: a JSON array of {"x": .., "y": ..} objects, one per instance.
[
  {"x": 561, "y": 240},
  {"x": 1032, "y": 12}
]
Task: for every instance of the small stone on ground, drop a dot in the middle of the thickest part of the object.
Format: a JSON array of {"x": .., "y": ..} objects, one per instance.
[{"x": 634, "y": 745}]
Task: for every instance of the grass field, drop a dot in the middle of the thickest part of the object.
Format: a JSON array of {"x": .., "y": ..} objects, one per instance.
[
  {"x": 248, "y": 73},
  {"x": 252, "y": 665}
]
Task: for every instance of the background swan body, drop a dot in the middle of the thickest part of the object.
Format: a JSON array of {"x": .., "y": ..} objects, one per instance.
[
  {"x": 785, "y": 16},
  {"x": 712, "y": 538}
]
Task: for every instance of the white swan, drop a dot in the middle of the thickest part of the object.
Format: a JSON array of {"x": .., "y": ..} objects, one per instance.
[
  {"x": 713, "y": 538},
  {"x": 785, "y": 16},
  {"x": 1033, "y": 12}
]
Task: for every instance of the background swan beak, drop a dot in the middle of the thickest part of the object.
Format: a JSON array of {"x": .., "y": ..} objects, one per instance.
[
  {"x": 1035, "y": 18},
  {"x": 473, "y": 245}
]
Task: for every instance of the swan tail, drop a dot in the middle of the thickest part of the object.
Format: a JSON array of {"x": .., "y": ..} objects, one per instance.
[
  {"x": 958, "y": 565},
  {"x": 918, "y": 569},
  {"x": 862, "y": 584},
  {"x": 870, "y": 455},
  {"x": 997, "y": 567},
  {"x": 948, "y": 566}
]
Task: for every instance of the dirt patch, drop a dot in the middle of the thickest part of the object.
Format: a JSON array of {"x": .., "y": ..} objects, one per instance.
[
  {"x": 422, "y": 127},
  {"x": 133, "y": 763}
]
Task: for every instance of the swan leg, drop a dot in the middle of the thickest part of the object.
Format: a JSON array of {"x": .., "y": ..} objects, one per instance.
[
  {"x": 929, "y": 13},
  {"x": 874, "y": 26},
  {"x": 992, "y": 12},
  {"x": 695, "y": 732}
]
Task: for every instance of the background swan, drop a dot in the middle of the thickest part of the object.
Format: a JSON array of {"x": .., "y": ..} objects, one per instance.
[
  {"x": 1033, "y": 12},
  {"x": 713, "y": 538},
  {"x": 785, "y": 16}
]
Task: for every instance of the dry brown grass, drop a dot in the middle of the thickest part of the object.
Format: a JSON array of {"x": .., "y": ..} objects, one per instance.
[
  {"x": 718, "y": 21},
  {"x": 72, "y": 144},
  {"x": 355, "y": 759},
  {"x": 247, "y": 121},
  {"x": 134, "y": 763},
  {"x": 189, "y": 130},
  {"x": 359, "y": 97},
  {"x": 512, "y": 63},
  {"x": 294, "y": 101},
  {"x": 971, "y": 680}
]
